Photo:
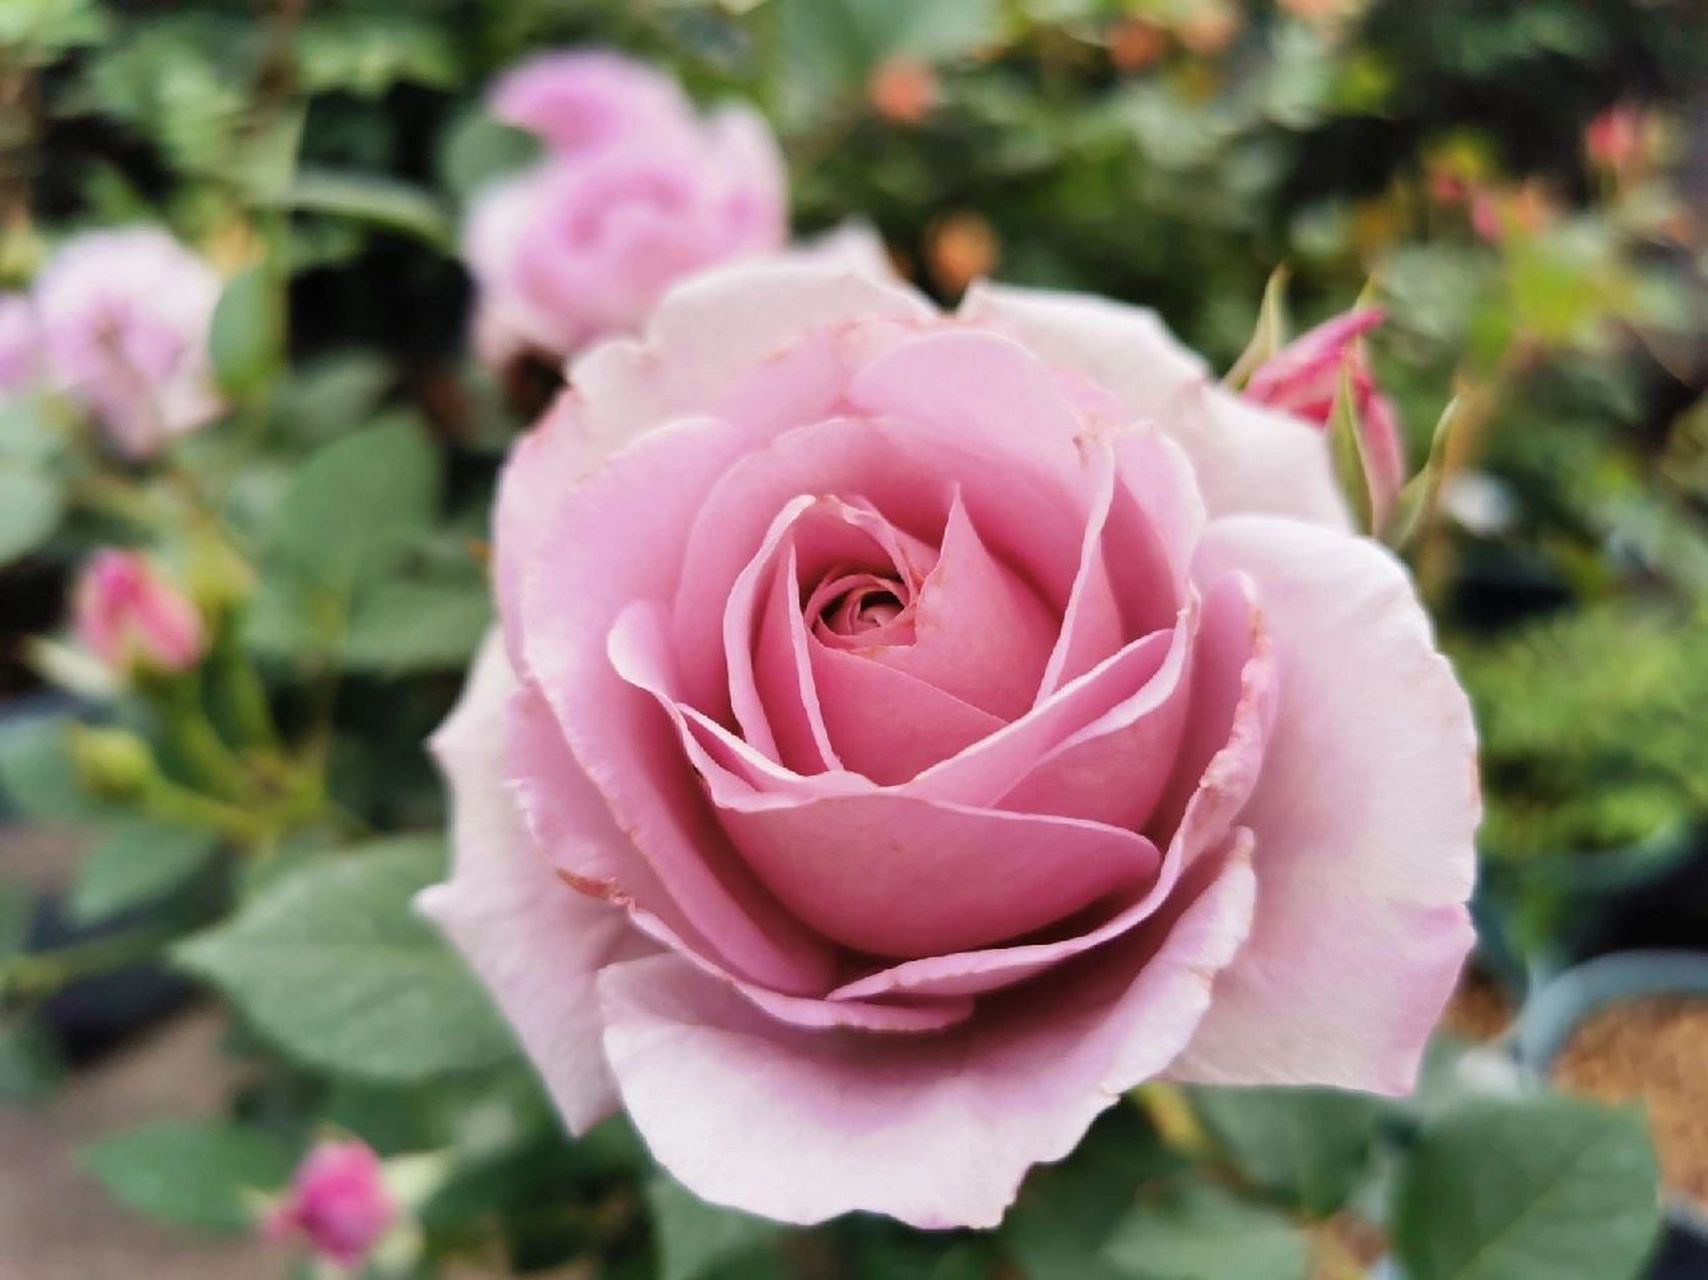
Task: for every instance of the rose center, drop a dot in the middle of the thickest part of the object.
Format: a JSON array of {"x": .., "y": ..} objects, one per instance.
[{"x": 866, "y": 603}]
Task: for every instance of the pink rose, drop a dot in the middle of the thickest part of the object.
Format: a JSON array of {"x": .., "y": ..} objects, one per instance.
[
  {"x": 20, "y": 344},
  {"x": 911, "y": 731},
  {"x": 337, "y": 1203},
  {"x": 129, "y": 616},
  {"x": 635, "y": 193},
  {"x": 125, "y": 318},
  {"x": 1304, "y": 377}
]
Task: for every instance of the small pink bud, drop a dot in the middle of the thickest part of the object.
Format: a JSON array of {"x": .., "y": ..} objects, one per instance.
[
  {"x": 1615, "y": 138},
  {"x": 129, "y": 616},
  {"x": 337, "y": 1204},
  {"x": 1303, "y": 378}
]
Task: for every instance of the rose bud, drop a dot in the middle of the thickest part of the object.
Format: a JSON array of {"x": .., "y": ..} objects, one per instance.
[
  {"x": 337, "y": 1204},
  {"x": 132, "y": 618},
  {"x": 1614, "y": 139},
  {"x": 907, "y": 732},
  {"x": 125, "y": 317},
  {"x": 20, "y": 344},
  {"x": 636, "y": 192},
  {"x": 1304, "y": 377}
]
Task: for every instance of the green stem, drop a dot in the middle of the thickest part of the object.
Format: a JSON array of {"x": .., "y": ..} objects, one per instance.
[{"x": 43, "y": 974}]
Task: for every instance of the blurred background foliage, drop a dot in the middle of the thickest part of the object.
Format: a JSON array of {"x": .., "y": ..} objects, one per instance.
[{"x": 1452, "y": 161}]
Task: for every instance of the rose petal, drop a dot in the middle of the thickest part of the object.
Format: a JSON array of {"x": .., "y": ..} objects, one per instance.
[
  {"x": 1026, "y": 519},
  {"x": 535, "y": 942},
  {"x": 574, "y": 552},
  {"x": 1246, "y": 458},
  {"x": 1365, "y": 816},
  {"x": 934, "y": 1130},
  {"x": 980, "y": 633},
  {"x": 1231, "y": 655}
]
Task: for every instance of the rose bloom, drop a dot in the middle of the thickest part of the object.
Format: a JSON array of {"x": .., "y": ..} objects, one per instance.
[
  {"x": 635, "y": 193},
  {"x": 911, "y": 731},
  {"x": 20, "y": 344},
  {"x": 337, "y": 1204},
  {"x": 125, "y": 318},
  {"x": 1304, "y": 379},
  {"x": 130, "y": 617}
]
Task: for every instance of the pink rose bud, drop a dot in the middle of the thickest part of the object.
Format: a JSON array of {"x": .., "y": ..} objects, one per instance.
[
  {"x": 1614, "y": 138},
  {"x": 636, "y": 192},
  {"x": 337, "y": 1203},
  {"x": 130, "y": 617},
  {"x": 20, "y": 344},
  {"x": 1304, "y": 377},
  {"x": 125, "y": 318}
]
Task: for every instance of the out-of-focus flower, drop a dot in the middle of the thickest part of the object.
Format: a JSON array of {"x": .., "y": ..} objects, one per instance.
[
  {"x": 903, "y": 90},
  {"x": 582, "y": 101},
  {"x": 960, "y": 249},
  {"x": 133, "y": 618},
  {"x": 638, "y": 193},
  {"x": 1526, "y": 210},
  {"x": 1614, "y": 140},
  {"x": 1208, "y": 27},
  {"x": 1304, "y": 378},
  {"x": 973, "y": 717},
  {"x": 1135, "y": 44},
  {"x": 337, "y": 1204},
  {"x": 124, "y": 320},
  {"x": 20, "y": 344},
  {"x": 1323, "y": 11}
]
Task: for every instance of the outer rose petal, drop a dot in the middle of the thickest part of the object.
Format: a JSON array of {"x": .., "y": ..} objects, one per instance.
[
  {"x": 536, "y": 943},
  {"x": 1247, "y": 459},
  {"x": 934, "y": 1130},
  {"x": 700, "y": 348},
  {"x": 587, "y": 99},
  {"x": 1364, "y": 817}
]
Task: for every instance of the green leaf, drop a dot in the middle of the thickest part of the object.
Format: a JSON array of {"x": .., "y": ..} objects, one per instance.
[
  {"x": 248, "y": 338},
  {"x": 325, "y": 397},
  {"x": 29, "y": 1062},
  {"x": 694, "y": 1238},
  {"x": 37, "y": 777},
  {"x": 1311, "y": 1146},
  {"x": 1066, "y": 1212},
  {"x": 136, "y": 863},
  {"x": 17, "y": 907},
  {"x": 478, "y": 150},
  {"x": 1546, "y": 1188},
  {"x": 30, "y": 505},
  {"x": 333, "y": 965},
  {"x": 401, "y": 626},
  {"x": 356, "y": 503},
  {"x": 191, "y": 1173},
  {"x": 1200, "y": 1232},
  {"x": 838, "y": 43},
  {"x": 380, "y": 202}
]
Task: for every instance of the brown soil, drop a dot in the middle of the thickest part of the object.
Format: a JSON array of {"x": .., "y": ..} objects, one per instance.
[
  {"x": 1479, "y": 1010},
  {"x": 1655, "y": 1052}
]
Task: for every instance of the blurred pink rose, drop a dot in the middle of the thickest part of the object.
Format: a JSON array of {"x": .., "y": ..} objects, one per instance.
[
  {"x": 125, "y": 318},
  {"x": 1303, "y": 378},
  {"x": 20, "y": 344},
  {"x": 909, "y": 732},
  {"x": 337, "y": 1203},
  {"x": 635, "y": 193},
  {"x": 129, "y": 616},
  {"x": 579, "y": 102}
]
